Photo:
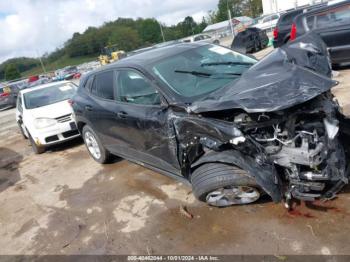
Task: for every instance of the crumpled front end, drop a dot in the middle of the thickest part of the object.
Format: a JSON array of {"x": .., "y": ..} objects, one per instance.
[
  {"x": 305, "y": 147},
  {"x": 278, "y": 121},
  {"x": 292, "y": 153}
]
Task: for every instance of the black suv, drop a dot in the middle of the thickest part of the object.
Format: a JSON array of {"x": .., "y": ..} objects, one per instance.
[
  {"x": 281, "y": 33},
  {"x": 250, "y": 40},
  {"x": 332, "y": 23},
  {"x": 230, "y": 126}
]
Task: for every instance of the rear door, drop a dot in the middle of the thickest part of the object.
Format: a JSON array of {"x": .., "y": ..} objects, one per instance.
[
  {"x": 333, "y": 26},
  {"x": 99, "y": 108}
]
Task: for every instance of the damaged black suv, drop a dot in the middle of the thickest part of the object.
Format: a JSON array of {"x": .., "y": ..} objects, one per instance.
[{"x": 233, "y": 127}]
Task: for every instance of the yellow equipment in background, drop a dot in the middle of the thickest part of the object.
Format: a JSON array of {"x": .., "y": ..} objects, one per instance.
[{"x": 111, "y": 54}]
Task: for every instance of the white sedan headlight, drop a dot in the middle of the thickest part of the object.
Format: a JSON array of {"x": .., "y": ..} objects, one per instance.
[{"x": 40, "y": 123}]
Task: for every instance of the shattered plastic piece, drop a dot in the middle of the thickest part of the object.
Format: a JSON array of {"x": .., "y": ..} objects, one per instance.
[
  {"x": 238, "y": 140},
  {"x": 185, "y": 213},
  {"x": 331, "y": 128}
]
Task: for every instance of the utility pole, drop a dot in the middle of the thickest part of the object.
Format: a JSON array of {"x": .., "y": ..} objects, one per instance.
[
  {"x": 41, "y": 62},
  {"x": 161, "y": 30},
  {"x": 230, "y": 19}
]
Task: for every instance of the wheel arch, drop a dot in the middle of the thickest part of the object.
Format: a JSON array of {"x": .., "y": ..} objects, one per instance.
[
  {"x": 80, "y": 126},
  {"x": 265, "y": 174}
]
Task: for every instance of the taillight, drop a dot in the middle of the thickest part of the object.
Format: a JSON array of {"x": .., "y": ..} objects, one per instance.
[
  {"x": 4, "y": 94},
  {"x": 293, "y": 32},
  {"x": 275, "y": 33}
]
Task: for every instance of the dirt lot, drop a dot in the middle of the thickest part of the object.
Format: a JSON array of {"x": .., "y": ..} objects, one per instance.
[{"x": 62, "y": 202}]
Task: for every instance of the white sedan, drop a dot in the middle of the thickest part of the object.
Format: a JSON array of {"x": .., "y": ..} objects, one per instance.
[
  {"x": 44, "y": 114},
  {"x": 268, "y": 23}
]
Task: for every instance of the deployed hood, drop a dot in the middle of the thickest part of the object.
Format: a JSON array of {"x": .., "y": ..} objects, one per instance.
[
  {"x": 52, "y": 111},
  {"x": 277, "y": 82}
]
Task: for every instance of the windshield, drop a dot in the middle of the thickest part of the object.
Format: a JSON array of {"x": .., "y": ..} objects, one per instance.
[
  {"x": 201, "y": 70},
  {"x": 49, "y": 95}
]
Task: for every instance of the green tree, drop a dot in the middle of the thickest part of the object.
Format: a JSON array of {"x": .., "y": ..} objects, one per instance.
[
  {"x": 126, "y": 38},
  {"x": 252, "y": 8},
  {"x": 202, "y": 25},
  {"x": 235, "y": 6},
  {"x": 188, "y": 26},
  {"x": 149, "y": 31},
  {"x": 11, "y": 72}
]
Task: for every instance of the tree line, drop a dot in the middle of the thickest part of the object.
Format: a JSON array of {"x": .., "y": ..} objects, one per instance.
[{"x": 130, "y": 34}]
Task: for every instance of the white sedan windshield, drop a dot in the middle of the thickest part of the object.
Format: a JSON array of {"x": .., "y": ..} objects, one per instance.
[{"x": 49, "y": 95}]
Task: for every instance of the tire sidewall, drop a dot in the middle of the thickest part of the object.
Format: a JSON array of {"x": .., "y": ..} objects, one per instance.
[
  {"x": 37, "y": 149},
  {"x": 103, "y": 151},
  {"x": 215, "y": 181}
]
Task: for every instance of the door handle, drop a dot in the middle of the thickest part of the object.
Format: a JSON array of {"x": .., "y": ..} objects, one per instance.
[
  {"x": 122, "y": 114},
  {"x": 88, "y": 108}
]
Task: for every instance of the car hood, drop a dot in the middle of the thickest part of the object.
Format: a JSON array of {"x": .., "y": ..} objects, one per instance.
[
  {"x": 274, "y": 83},
  {"x": 52, "y": 111}
]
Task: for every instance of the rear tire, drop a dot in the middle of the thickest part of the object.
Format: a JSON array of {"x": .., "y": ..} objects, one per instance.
[
  {"x": 36, "y": 148},
  {"x": 95, "y": 147},
  {"x": 222, "y": 185}
]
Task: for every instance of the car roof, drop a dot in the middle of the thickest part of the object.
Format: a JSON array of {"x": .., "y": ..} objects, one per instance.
[
  {"x": 322, "y": 7},
  {"x": 301, "y": 9},
  {"x": 150, "y": 56},
  {"x": 30, "y": 89}
]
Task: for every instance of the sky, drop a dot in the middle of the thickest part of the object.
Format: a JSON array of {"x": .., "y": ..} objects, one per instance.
[{"x": 33, "y": 27}]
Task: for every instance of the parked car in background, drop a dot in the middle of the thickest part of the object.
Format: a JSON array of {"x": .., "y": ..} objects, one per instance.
[
  {"x": 251, "y": 40},
  {"x": 201, "y": 38},
  {"x": 281, "y": 33},
  {"x": 8, "y": 96},
  {"x": 44, "y": 114},
  {"x": 268, "y": 23},
  {"x": 229, "y": 125},
  {"x": 332, "y": 23},
  {"x": 19, "y": 84}
]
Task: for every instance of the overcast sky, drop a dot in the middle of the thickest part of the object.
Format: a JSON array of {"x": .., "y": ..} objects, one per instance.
[{"x": 32, "y": 27}]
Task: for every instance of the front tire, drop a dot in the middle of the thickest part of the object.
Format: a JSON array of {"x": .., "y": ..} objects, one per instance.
[
  {"x": 36, "y": 148},
  {"x": 224, "y": 185},
  {"x": 94, "y": 146}
]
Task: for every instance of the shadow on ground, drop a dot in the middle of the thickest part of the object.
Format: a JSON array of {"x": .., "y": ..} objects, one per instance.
[{"x": 9, "y": 163}]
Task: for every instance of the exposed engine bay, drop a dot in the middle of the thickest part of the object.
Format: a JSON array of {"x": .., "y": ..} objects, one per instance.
[
  {"x": 305, "y": 148},
  {"x": 301, "y": 145}
]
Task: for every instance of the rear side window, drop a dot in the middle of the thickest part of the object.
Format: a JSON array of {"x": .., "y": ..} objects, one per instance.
[
  {"x": 274, "y": 17},
  {"x": 311, "y": 20},
  {"x": 88, "y": 82},
  {"x": 198, "y": 38},
  {"x": 103, "y": 85},
  {"x": 287, "y": 19},
  {"x": 338, "y": 15}
]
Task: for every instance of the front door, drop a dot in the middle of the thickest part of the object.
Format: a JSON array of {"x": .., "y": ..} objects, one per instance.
[{"x": 141, "y": 122}]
